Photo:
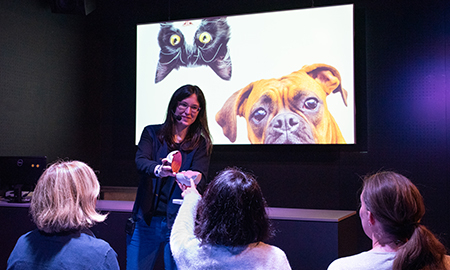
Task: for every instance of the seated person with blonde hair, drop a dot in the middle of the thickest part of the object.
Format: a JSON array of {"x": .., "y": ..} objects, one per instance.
[
  {"x": 391, "y": 213},
  {"x": 226, "y": 228},
  {"x": 63, "y": 208}
]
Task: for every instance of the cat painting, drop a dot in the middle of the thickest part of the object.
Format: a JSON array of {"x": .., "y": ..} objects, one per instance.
[{"x": 208, "y": 47}]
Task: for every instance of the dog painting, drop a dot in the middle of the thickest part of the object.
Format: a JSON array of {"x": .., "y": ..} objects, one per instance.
[{"x": 288, "y": 110}]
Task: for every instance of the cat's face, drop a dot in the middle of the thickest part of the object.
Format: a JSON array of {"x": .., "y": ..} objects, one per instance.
[{"x": 186, "y": 44}]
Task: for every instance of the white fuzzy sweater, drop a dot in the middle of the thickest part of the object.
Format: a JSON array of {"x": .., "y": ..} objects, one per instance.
[{"x": 189, "y": 254}]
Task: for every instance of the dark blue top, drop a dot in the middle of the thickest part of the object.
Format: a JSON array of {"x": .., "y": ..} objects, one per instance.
[
  {"x": 69, "y": 250},
  {"x": 149, "y": 154}
]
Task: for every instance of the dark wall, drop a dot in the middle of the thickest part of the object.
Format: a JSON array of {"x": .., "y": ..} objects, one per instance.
[
  {"x": 47, "y": 105},
  {"x": 67, "y": 87}
]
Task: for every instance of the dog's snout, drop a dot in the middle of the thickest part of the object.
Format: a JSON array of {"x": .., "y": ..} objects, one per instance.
[
  {"x": 285, "y": 122},
  {"x": 289, "y": 128}
]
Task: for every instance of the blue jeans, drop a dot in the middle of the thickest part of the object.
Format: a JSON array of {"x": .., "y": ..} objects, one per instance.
[{"x": 144, "y": 245}]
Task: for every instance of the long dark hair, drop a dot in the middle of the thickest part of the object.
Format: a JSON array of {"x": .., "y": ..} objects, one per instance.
[
  {"x": 397, "y": 204},
  {"x": 232, "y": 211},
  {"x": 198, "y": 129}
]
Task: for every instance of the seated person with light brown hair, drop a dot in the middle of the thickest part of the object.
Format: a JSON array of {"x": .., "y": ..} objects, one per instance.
[
  {"x": 63, "y": 208},
  {"x": 226, "y": 228},
  {"x": 391, "y": 211}
]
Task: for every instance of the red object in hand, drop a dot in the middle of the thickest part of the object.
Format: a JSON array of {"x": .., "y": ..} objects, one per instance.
[{"x": 176, "y": 162}]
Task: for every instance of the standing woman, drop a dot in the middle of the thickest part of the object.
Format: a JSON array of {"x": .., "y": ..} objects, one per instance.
[
  {"x": 391, "y": 211},
  {"x": 186, "y": 130}
]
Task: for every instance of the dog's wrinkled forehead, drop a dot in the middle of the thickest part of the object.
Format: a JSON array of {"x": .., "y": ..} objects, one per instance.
[
  {"x": 270, "y": 88},
  {"x": 284, "y": 89},
  {"x": 301, "y": 81}
]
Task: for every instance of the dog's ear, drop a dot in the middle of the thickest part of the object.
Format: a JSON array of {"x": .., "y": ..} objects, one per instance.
[
  {"x": 328, "y": 77},
  {"x": 226, "y": 117}
]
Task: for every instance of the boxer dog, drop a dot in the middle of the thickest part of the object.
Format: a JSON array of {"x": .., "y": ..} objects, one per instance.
[{"x": 288, "y": 110}]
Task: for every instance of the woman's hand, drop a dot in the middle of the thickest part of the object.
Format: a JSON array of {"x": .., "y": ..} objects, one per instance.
[
  {"x": 186, "y": 190},
  {"x": 165, "y": 169}
]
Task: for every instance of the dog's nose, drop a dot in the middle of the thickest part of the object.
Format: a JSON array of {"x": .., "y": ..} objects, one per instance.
[
  {"x": 289, "y": 128},
  {"x": 285, "y": 122}
]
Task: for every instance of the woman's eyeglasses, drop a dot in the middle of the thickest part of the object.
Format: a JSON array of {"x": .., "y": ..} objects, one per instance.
[{"x": 183, "y": 106}]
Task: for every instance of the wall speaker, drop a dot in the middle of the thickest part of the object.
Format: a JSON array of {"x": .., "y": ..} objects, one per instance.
[{"x": 83, "y": 7}]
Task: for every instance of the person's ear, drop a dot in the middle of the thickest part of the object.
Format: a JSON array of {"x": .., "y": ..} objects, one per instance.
[{"x": 371, "y": 218}]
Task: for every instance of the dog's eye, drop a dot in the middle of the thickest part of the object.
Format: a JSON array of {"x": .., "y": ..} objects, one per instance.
[
  {"x": 259, "y": 115},
  {"x": 311, "y": 103}
]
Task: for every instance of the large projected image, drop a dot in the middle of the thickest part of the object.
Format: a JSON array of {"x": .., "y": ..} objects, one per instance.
[{"x": 269, "y": 78}]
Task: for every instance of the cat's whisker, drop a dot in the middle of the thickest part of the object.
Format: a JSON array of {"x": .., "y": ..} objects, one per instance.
[
  {"x": 212, "y": 59},
  {"x": 173, "y": 58}
]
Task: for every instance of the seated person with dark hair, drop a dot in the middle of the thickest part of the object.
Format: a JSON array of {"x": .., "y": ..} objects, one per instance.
[{"x": 225, "y": 229}]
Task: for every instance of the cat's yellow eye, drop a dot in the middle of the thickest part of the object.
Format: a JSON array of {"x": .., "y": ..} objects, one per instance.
[
  {"x": 175, "y": 40},
  {"x": 204, "y": 37}
]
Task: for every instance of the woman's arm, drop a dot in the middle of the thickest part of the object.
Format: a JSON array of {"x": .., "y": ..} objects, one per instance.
[
  {"x": 183, "y": 242},
  {"x": 145, "y": 162}
]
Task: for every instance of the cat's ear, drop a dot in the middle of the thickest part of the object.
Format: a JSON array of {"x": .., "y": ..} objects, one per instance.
[
  {"x": 162, "y": 71},
  {"x": 172, "y": 48},
  {"x": 222, "y": 66},
  {"x": 214, "y": 50}
]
